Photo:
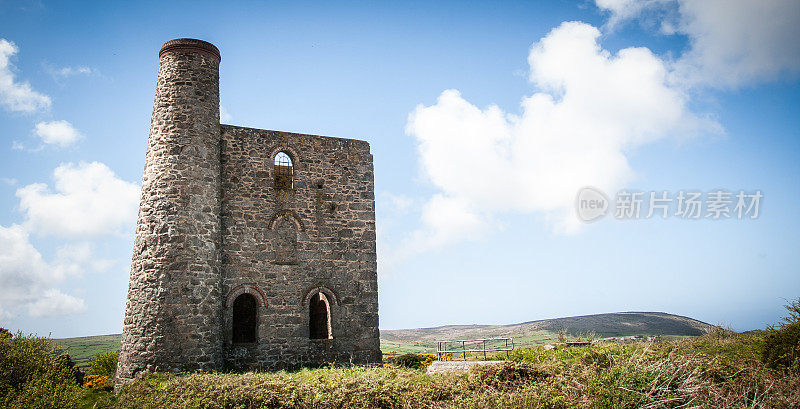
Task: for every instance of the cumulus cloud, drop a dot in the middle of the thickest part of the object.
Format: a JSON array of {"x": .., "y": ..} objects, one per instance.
[
  {"x": 733, "y": 43},
  {"x": 622, "y": 10},
  {"x": 74, "y": 259},
  {"x": 14, "y": 95},
  {"x": 59, "y": 133},
  {"x": 53, "y": 303},
  {"x": 27, "y": 281},
  {"x": 88, "y": 200},
  {"x": 592, "y": 108}
]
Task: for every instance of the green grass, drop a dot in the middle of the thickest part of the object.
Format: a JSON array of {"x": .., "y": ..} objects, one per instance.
[
  {"x": 83, "y": 349},
  {"x": 719, "y": 369},
  {"x": 423, "y": 340},
  {"x": 715, "y": 370}
]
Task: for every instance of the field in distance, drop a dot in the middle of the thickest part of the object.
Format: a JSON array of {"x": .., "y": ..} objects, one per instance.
[
  {"x": 420, "y": 340},
  {"x": 82, "y": 349},
  {"x": 620, "y": 324}
]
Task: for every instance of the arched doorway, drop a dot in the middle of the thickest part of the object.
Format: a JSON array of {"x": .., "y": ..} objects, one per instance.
[
  {"x": 245, "y": 319},
  {"x": 320, "y": 317}
]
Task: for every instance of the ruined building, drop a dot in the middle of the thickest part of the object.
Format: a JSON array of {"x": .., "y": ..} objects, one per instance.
[{"x": 254, "y": 249}]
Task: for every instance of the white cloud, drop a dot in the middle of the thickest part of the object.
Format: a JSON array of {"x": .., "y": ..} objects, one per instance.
[
  {"x": 59, "y": 133},
  {"x": 14, "y": 95},
  {"x": 449, "y": 219},
  {"x": 26, "y": 280},
  {"x": 66, "y": 72},
  {"x": 9, "y": 181},
  {"x": 89, "y": 201},
  {"x": 593, "y": 108},
  {"x": 224, "y": 115},
  {"x": 732, "y": 42},
  {"x": 54, "y": 303},
  {"x": 74, "y": 259},
  {"x": 396, "y": 203},
  {"x": 622, "y": 10},
  {"x": 17, "y": 146}
]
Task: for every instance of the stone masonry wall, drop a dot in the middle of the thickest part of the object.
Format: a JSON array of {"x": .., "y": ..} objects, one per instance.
[
  {"x": 172, "y": 316},
  {"x": 285, "y": 245},
  {"x": 212, "y": 225}
]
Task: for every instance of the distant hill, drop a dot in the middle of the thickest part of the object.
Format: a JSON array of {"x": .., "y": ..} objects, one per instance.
[
  {"x": 543, "y": 331},
  {"x": 82, "y": 349},
  {"x": 527, "y": 333}
]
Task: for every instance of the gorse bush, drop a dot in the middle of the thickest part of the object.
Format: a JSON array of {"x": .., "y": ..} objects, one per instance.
[
  {"x": 410, "y": 360},
  {"x": 95, "y": 381},
  {"x": 782, "y": 343},
  {"x": 103, "y": 364},
  {"x": 506, "y": 376},
  {"x": 35, "y": 374}
]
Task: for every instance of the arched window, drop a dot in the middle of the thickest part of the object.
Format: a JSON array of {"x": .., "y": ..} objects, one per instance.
[
  {"x": 320, "y": 314},
  {"x": 245, "y": 314},
  {"x": 284, "y": 172}
]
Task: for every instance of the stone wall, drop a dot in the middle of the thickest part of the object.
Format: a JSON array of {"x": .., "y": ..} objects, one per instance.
[
  {"x": 213, "y": 226},
  {"x": 173, "y": 310},
  {"x": 290, "y": 243}
]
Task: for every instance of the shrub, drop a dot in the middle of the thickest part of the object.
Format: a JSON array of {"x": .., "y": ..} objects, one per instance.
[
  {"x": 96, "y": 382},
  {"x": 406, "y": 360},
  {"x": 427, "y": 359},
  {"x": 35, "y": 374},
  {"x": 782, "y": 344},
  {"x": 104, "y": 364},
  {"x": 505, "y": 376}
]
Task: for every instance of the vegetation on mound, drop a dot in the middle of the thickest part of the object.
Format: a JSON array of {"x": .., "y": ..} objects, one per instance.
[
  {"x": 34, "y": 374},
  {"x": 716, "y": 370},
  {"x": 782, "y": 343},
  {"x": 719, "y": 369}
]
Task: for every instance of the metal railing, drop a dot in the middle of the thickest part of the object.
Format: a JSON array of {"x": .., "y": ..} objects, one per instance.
[{"x": 442, "y": 347}]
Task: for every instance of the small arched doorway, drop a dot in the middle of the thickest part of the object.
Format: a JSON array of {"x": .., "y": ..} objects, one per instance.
[
  {"x": 320, "y": 317},
  {"x": 245, "y": 319}
]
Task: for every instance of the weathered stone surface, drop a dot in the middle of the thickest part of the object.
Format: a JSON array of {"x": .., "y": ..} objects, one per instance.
[
  {"x": 291, "y": 243},
  {"x": 213, "y": 225}
]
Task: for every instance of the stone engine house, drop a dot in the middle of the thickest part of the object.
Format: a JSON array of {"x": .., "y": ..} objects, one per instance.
[{"x": 254, "y": 248}]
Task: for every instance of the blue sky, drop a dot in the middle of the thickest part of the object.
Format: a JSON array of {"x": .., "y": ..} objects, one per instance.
[{"x": 484, "y": 120}]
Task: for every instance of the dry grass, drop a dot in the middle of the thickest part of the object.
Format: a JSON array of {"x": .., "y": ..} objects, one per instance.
[{"x": 719, "y": 369}]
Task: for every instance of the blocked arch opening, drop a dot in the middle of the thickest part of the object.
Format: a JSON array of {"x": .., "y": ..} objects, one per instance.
[{"x": 245, "y": 319}]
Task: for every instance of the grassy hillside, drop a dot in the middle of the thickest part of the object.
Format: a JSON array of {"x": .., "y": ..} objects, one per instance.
[
  {"x": 524, "y": 334},
  {"x": 546, "y": 331},
  {"x": 84, "y": 348}
]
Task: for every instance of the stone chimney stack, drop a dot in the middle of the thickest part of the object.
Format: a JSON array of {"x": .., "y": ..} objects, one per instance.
[{"x": 173, "y": 312}]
